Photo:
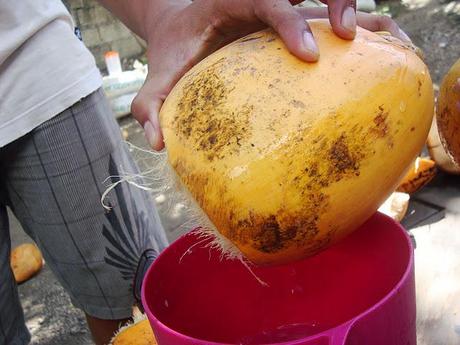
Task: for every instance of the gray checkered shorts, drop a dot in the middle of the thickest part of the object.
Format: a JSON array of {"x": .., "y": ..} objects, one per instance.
[{"x": 53, "y": 179}]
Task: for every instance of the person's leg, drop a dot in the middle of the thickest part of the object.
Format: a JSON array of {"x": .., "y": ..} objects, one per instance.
[
  {"x": 13, "y": 330},
  {"x": 55, "y": 186}
]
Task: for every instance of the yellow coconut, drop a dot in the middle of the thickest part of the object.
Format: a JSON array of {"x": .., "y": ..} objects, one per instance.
[
  {"x": 26, "y": 260},
  {"x": 138, "y": 333},
  {"x": 421, "y": 172},
  {"x": 448, "y": 112},
  {"x": 287, "y": 157}
]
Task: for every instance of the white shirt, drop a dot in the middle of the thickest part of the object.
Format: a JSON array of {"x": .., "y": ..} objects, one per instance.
[{"x": 44, "y": 67}]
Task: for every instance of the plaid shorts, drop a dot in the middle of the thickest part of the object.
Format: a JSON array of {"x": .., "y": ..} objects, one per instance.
[{"x": 53, "y": 180}]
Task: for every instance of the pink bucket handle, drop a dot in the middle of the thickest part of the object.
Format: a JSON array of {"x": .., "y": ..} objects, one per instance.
[{"x": 339, "y": 335}]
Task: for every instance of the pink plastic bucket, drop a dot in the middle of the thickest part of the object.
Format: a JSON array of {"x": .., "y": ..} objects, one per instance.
[{"x": 360, "y": 291}]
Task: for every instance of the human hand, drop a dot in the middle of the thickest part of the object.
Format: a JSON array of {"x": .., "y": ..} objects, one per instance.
[{"x": 188, "y": 32}]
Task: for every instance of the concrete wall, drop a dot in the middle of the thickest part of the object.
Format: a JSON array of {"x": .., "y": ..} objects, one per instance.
[{"x": 101, "y": 31}]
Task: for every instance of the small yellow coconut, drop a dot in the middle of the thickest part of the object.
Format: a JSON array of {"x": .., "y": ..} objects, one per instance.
[
  {"x": 26, "y": 260},
  {"x": 448, "y": 112},
  {"x": 137, "y": 332},
  {"x": 422, "y": 171}
]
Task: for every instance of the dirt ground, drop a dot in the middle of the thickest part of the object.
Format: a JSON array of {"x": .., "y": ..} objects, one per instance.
[{"x": 434, "y": 25}]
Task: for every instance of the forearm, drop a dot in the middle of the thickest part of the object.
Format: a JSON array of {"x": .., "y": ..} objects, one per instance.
[{"x": 139, "y": 15}]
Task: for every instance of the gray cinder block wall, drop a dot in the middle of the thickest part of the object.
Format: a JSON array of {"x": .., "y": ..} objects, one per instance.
[{"x": 102, "y": 32}]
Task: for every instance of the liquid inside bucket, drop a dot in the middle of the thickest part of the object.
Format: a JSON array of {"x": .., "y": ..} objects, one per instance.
[{"x": 193, "y": 292}]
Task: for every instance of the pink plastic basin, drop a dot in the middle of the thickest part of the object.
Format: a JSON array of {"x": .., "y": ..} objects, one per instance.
[{"x": 360, "y": 291}]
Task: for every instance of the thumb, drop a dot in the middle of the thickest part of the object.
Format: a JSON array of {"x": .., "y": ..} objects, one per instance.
[{"x": 145, "y": 108}]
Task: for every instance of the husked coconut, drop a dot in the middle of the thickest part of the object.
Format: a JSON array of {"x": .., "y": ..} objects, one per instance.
[{"x": 286, "y": 157}]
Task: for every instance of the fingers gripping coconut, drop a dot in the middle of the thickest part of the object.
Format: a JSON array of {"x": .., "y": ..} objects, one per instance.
[{"x": 287, "y": 157}]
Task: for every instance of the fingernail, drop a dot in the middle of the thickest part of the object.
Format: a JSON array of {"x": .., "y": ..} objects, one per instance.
[
  {"x": 150, "y": 134},
  {"x": 404, "y": 36},
  {"x": 310, "y": 43},
  {"x": 349, "y": 19}
]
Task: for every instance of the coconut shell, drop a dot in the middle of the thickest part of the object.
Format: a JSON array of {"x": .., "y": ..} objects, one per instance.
[
  {"x": 443, "y": 159},
  {"x": 422, "y": 171},
  {"x": 448, "y": 112}
]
